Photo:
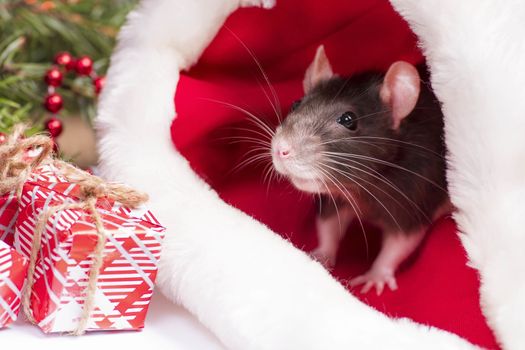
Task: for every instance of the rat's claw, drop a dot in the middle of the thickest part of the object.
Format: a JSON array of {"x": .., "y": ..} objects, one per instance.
[
  {"x": 367, "y": 287},
  {"x": 375, "y": 278},
  {"x": 380, "y": 285},
  {"x": 325, "y": 258},
  {"x": 357, "y": 281},
  {"x": 392, "y": 283},
  {"x": 267, "y": 4}
]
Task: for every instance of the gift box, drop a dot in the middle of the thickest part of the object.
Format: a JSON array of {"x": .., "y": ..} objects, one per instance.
[
  {"x": 13, "y": 270},
  {"x": 68, "y": 242}
]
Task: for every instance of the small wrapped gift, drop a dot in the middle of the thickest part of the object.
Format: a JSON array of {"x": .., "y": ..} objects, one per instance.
[
  {"x": 92, "y": 249},
  {"x": 80, "y": 235},
  {"x": 13, "y": 270}
]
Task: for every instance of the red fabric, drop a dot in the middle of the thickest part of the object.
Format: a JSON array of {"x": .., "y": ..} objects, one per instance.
[{"x": 436, "y": 287}]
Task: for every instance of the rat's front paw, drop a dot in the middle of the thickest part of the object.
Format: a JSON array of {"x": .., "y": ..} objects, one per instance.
[
  {"x": 267, "y": 4},
  {"x": 327, "y": 259},
  {"x": 377, "y": 278}
]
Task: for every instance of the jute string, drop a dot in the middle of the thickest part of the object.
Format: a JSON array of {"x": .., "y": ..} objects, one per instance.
[{"x": 16, "y": 168}]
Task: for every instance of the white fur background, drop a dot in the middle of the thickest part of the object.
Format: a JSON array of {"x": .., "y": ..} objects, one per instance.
[
  {"x": 476, "y": 51},
  {"x": 251, "y": 287}
]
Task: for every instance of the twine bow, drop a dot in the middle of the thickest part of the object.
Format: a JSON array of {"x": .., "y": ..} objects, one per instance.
[{"x": 16, "y": 169}]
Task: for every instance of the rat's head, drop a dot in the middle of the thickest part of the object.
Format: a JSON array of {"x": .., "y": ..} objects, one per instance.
[{"x": 330, "y": 131}]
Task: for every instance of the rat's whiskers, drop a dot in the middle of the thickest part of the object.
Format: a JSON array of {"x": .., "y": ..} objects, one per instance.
[
  {"x": 388, "y": 164},
  {"x": 386, "y": 140},
  {"x": 371, "y": 140},
  {"x": 264, "y": 135},
  {"x": 354, "y": 178},
  {"x": 353, "y": 141},
  {"x": 351, "y": 200},
  {"x": 254, "y": 159},
  {"x": 252, "y": 117},
  {"x": 244, "y": 139},
  {"x": 276, "y": 105},
  {"x": 378, "y": 176}
]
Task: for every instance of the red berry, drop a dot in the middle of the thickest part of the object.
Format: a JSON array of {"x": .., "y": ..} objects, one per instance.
[
  {"x": 84, "y": 65},
  {"x": 99, "y": 83},
  {"x": 71, "y": 65},
  {"x": 53, "y": 103},
  {"x": 3, "y": 138},
  {"x": 53, "y": 77},
  {"x": 53, "y": 126},
  {"x": 65, "y": 59}
]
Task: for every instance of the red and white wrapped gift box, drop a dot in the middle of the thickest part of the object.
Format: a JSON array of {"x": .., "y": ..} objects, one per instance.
[
  {"x": 13, "y": 271},
  {"x": 130, "y": 258}
]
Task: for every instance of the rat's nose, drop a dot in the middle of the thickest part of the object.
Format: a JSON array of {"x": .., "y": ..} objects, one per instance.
[{"x": 283, "y": 150}]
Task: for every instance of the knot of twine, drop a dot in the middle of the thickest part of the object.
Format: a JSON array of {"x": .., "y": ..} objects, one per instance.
[{"x": 15, "y": 170}]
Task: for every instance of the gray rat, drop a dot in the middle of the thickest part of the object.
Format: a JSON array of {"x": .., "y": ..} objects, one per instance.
[{"x": 371, "y": 146}]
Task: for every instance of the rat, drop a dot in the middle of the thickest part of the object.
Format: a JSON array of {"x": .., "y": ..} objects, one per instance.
[{"x": 371, "y": 147}]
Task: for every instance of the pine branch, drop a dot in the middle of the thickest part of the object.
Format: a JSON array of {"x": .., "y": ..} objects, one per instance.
[{"x": 32, "y": 32}]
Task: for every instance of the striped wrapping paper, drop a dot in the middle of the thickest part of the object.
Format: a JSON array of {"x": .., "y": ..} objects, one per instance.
[
  {"x": 126, "y": 279},
  {"x": 9, "y": 202},
  {"x": 8, "y": 215},
  {"x": 13, "y": 270}
]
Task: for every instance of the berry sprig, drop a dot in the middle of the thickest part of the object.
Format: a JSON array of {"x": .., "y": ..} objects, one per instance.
[{"x": 53, "y": 102}]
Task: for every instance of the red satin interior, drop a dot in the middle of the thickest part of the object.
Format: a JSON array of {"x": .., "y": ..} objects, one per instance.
[{"x": 435, "y": 286}]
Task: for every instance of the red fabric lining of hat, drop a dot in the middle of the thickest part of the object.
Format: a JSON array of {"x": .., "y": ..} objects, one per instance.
[{"x": 435, "y": 286}]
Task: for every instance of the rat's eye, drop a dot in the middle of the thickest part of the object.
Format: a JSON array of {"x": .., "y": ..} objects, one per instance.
[
  {"x": 348, "y": 120},
  {"x": 295, "y": 104}
]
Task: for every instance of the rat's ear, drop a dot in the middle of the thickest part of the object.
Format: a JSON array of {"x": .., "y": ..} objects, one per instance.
[
  {"x": 319, "y": 69},
  {"x": 400, "y": 90}
]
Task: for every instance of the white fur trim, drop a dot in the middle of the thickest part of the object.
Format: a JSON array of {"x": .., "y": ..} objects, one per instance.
[
  {"x": 477, "y": 57},
  {"x": 252, "y": 288}
]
